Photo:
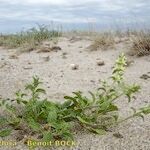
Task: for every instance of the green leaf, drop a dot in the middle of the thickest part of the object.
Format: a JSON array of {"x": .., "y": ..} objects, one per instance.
[
  {"x": 130, "y": 90},
  {"x": 67, "y": 136},
  {"x": 5, "y": 132},
  {"x": 98, "y": 131},
  {"x": 93, "y": 96},
  {"x": 40, "y": 91},
  {"x": 139, "y": 115},
  {"x": 3, "y": 121},
  {"x": 129, "y": 97},
  {"x": 82, "y": 120},
  {"x": 112, "y": 107},
  {"x": 102, "y": 89},
  {"x": 24, "y": 102},
  {"x": 115, "y": 116},
  {"x": 104, "y": 106},
  {"x": 29, "y": 87},
  {"x": 68, "y": 114},
  {"x": 72, "y": 99},
  {"x": 78, "y": 94},
  {"x": 47, "y": 136},
  {"x": 146, "y": 110},
  {"x": 66, "y": 104},
  {"x": 82, "y": 100},
  {"x": 34, "y": 125},
  {"x": 52, "y": 116},
  {"x": 14, "y": 121}
]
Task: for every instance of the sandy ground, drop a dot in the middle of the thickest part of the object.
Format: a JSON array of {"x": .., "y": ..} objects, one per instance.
[{"x": 59, "y": 79}]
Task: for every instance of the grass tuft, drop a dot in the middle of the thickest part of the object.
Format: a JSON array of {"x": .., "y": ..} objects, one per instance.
[
  {"x": 30, "y": 39},
  {"x": 141, "y": 43},
  {"x": 103, "y": 41}
]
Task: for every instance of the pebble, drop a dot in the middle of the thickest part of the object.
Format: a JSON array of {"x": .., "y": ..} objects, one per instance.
[
  {"x": 118, "y": 135},
  {"x": 3, "y": 64},
  {"x": 74, "y": 66},
  {"x": 100, "y": 63},
  {"x": 47, "y": 58},
  {"x": 129, "y": 62},
  {"x": 27, "y": 67},
  {"x": 55, "y": 48},
  {"x": 13, "y": 56},
  {"x": 145, "y": 76}
]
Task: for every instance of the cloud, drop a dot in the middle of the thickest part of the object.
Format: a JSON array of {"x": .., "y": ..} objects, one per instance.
[
  {"x": 36, "y": 2},
  {"x": 71, "y": 11}
]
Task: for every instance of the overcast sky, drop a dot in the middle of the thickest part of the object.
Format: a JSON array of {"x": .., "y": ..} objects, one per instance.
[{"x": 16, "y": 14}]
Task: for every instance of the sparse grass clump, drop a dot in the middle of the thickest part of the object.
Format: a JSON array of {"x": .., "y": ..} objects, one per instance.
[
  {"x": 49, "y": 121},
  {"x": 29, "y": 39},
  {"x": 141, "y": 43},
  {"x": 103, "y": 41}
]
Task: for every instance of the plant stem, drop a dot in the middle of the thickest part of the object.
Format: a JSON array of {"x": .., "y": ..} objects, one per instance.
[{"x": 130, "y": 117}]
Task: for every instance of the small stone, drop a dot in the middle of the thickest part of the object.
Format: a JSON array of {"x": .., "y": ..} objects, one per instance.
[
  {"x": 129, "y": 62},
  {"x": 64, "y": 53},
  {"x": 74, "y": 66},
  {"x": 100, "y": 63},
  {"x": 145, "y": 76},
  {"x": 13, "y": 56},
  {"x": 55, "y": 48},
  {"x": 47, "y": 58},
  {"x": 27, "y": 67},
  {"x": 3, "y": 64},
  {"x": 118, "y": 135},
  {"x": 92, "y": 81},
  {"x": 64, "y": 56}
]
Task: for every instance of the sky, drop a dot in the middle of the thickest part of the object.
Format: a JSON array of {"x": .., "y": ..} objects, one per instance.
[{"x": 16, "y": 15}]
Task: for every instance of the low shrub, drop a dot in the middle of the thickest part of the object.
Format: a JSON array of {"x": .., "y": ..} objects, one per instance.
[{"x": 52, "y": 121}]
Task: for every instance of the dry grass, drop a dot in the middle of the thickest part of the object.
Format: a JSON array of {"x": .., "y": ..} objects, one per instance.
[
  {"x": 103, "y": 41},
  {"x": 30, "y": 39},
  {"x": 141, "y": 43}
]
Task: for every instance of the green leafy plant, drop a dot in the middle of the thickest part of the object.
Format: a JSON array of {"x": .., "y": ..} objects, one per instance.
[{"x": 51, "y": 121}]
